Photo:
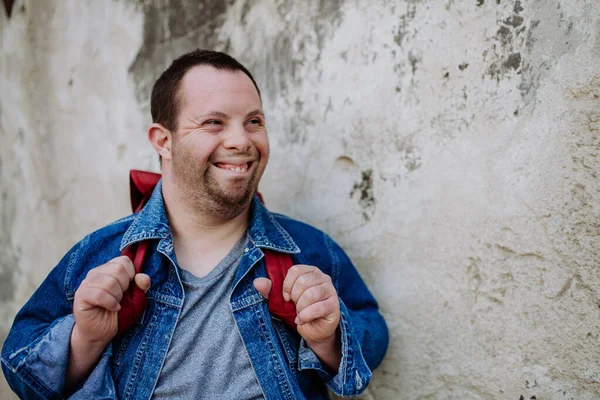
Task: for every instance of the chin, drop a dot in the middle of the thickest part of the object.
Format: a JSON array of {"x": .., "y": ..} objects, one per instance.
[{"x": 235, "y": 197}]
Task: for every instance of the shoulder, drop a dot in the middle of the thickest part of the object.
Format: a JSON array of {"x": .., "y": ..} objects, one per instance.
[
  {"x": 298, "y": 230},
  {"x": 108, "y": 236},
  {"x": 312, "y": 242}
]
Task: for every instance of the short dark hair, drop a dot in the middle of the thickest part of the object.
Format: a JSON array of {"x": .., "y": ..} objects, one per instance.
[{"x": 166, "y": 100}]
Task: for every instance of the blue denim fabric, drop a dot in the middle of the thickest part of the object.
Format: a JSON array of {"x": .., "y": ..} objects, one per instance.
[{"x": 35, "y": 353}]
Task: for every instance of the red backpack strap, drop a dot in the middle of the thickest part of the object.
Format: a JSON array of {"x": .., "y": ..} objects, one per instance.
[
  {"x": 141, "y": 186},
  {"x": 277, "y": 265},
  {"x": 134, "y": 301}
]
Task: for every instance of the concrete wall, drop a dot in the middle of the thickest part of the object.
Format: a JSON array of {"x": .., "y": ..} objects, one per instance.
[{"x": 450, "y": 146}]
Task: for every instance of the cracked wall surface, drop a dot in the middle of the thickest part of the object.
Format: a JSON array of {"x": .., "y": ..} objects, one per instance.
[{"x": 451, "y": 147}]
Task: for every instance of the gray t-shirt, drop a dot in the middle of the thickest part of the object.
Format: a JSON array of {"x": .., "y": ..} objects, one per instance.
[{"x": 206, "y": 357}]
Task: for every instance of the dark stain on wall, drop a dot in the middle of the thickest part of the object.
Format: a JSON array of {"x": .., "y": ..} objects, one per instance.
[
  {"x": 172, "y": 28},
  {"x": 512, "y": 62},
  {"x": 511, "y": 36},
  {"x": 405, "y": 20},
  {"x": 364, "y": 190},
  {"x": 287, "y": 59},
  {"x": 512, "y": 52}
]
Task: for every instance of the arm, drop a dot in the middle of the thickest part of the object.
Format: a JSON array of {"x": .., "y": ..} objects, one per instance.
[
  {"x": 362, "y": 329},
  {"x": 343, "y": 334},
  {"x": 35, "y": 353},
  {"x": 49, "y": 350}
]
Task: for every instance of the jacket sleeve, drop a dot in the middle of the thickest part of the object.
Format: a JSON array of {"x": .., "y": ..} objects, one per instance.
[
  {"x": 36, "y": 352},
  {"x": 363, "y": 331}
]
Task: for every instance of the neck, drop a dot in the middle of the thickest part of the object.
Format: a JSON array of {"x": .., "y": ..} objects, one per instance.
[{"x": 191, "y": 226}]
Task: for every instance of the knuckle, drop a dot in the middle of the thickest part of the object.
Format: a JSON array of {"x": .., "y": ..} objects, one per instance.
[
  {"x": 97, "y": 296},
  {"x": 121, "y": 259},
  {"x": 92, "y": 280},
  {"x": 92, "y": 272},
  {"x": 114, "y": 284},
  {"x": 318, "y": 309},
  {"x": 118, "y": 268},
  {"x": 333, "y": 304},
  {"x": 314, "y": 294},
  {"x": 294, "y": 270},
  {"x": 302, "y": 280}
]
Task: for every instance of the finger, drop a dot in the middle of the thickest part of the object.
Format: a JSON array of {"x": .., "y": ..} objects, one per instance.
[
  {"x": 143, "y": 282},
  {"x": 311, "y": 295},
  {"x": 306, "y": 281},
  {"x": 107, "y": 283},
  {"x": 263, "y": 285},
  {"x": 323, "y": 309},
  {"x": 120, "y": 267},
  {"x": 291, "y": 276},
  {"x": 123, "y": 263},
  {"x": 94, "y": 297}
]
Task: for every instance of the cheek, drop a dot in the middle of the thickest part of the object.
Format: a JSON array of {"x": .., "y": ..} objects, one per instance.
[
  {"x": 198, "y": 150},
  {"x": 262, "y": 145}
]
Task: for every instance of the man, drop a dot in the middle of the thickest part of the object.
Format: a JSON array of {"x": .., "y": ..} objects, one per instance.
[{"x": 207, "y": 332}]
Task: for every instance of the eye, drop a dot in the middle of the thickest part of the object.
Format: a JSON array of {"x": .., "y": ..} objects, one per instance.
[
  {"x": 255, "y": 121},
  {"x": 213, "y": 122}
]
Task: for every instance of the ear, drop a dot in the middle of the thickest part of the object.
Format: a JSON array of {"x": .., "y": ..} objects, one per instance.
[{"x": 161, "y": 139}]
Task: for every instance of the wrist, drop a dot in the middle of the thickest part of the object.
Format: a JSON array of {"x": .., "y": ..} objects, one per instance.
[
  {"x": 81, "y": 341},
  {"x": 328, "y": 343},
  {"x": 329, "y": 351}
]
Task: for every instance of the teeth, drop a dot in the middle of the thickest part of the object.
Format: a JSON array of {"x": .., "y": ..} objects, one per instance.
[{"x": 238, "y": 169}]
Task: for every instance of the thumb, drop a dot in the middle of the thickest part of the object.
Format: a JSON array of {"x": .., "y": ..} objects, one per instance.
[
  {"x": 263, "y": 285},
  {"x": 142, "y": 281}
]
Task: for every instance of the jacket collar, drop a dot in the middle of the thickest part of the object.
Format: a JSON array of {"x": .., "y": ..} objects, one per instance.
[{"x": 152, "y": 223}]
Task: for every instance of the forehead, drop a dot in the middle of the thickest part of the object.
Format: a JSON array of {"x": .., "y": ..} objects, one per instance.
[{"x": 206, "y": 87}]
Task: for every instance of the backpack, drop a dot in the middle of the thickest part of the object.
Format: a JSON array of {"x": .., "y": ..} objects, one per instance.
[{"x": 134, "y": 301}]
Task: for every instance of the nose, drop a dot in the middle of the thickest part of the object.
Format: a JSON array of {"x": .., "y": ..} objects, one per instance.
[{"x": 236, "y": 138}]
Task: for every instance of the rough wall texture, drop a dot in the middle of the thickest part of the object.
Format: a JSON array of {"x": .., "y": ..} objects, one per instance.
[{"x": 450, "y": 146}]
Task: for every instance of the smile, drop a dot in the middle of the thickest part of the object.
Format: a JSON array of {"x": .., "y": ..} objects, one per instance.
[{"x": 239, "y": 168}]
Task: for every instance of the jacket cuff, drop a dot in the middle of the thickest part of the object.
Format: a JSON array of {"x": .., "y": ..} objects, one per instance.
[
  {"x": 353, "y": 375},
  {"x": 42, "y": 366}
]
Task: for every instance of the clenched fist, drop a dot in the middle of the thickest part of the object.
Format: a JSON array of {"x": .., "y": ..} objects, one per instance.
[
  {"x": 317, "y": 306},
  {"x": 97, "y": 299}
]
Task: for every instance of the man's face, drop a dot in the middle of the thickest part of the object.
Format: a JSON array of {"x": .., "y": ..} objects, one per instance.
[{"x": 220, "y": 149}]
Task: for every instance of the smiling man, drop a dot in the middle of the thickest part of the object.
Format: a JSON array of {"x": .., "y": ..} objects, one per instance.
[{"x": 206, "y": 332}]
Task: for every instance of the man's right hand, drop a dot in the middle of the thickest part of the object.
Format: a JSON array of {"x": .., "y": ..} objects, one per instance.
[
  {"x": 95, "y": 310},
  {"x": 97, "y": 299}
]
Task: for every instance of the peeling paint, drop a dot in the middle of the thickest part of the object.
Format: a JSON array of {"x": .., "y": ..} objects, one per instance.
[{"x": 172, "y": 28}]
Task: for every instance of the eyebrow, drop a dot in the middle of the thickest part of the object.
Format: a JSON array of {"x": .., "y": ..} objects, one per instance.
[
  {"x": 213, "y": 114},
  {"x": 255, "y": 113},
  {"x": 220, "y": 114}
]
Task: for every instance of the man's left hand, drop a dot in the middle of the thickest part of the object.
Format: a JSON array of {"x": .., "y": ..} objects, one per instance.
[{"x": 317, "y": 306}]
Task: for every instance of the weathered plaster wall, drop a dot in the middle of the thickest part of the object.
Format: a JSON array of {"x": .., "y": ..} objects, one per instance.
[{"x": 451, "y": 147}]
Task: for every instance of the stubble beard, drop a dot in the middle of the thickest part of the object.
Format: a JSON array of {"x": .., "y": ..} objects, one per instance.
[{"x": 202, "y": 190}]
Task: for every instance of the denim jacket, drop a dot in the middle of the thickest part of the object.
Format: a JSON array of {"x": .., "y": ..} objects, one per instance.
[{"x": 36, "y": 351}]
